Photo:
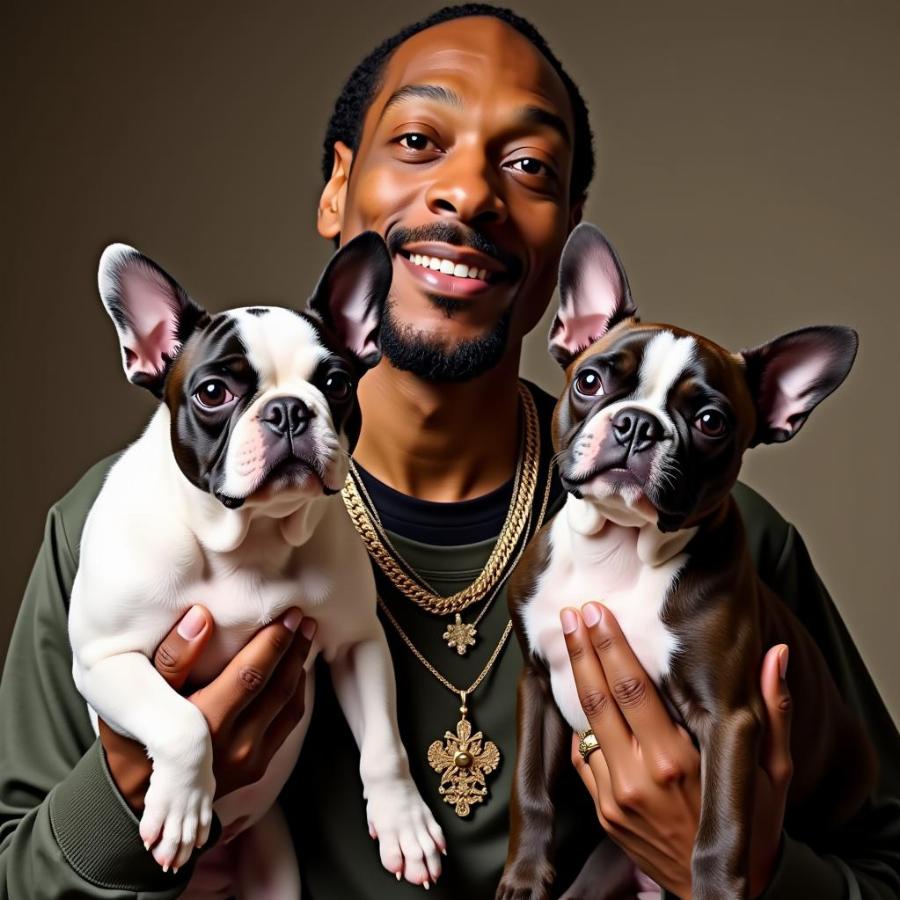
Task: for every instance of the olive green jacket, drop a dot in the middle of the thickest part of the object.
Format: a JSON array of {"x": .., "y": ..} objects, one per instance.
[{"x": 65, "y": 831}]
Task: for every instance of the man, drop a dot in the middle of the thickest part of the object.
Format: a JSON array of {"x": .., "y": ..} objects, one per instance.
[{"x": 464, "y": 143}]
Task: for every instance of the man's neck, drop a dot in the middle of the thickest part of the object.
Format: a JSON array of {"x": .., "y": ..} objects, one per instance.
[{"x": 440, "y": 441}]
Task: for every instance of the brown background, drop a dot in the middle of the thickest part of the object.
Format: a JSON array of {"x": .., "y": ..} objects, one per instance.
[{"x": 747, "y": 172}]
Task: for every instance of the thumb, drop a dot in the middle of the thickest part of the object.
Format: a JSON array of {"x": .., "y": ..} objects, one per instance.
[
  {"x": 775, "y": 750},
  {"x": 181, "y": 647}
]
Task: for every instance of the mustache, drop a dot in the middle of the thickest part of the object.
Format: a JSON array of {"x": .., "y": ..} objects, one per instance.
[{"x": 457, "y": 236}]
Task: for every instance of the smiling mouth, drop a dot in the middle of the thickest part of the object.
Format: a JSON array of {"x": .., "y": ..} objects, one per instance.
[
  {"x": 457, "y": 269},
  {"x": 447, "y": 266}
]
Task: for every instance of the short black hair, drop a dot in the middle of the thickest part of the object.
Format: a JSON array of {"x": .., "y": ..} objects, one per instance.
[{"x": 353, "y": 103}]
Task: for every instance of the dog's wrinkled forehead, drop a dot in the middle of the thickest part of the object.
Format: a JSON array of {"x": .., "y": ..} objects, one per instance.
[
  {"x": 654, "y": 359},
  {"x": 280, "y": 344},
  {"x": 277, "y": 344}
]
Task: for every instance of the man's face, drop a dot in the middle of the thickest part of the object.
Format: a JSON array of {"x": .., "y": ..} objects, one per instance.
[{"x": 465, "y": 158}]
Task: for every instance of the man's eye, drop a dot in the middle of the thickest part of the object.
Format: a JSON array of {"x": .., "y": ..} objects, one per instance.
[
  {"x": 414, "y": 141},
  {"x": 531, "y": 166}
]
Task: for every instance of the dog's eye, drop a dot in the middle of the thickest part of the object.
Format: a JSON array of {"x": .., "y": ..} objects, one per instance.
[
  {"x": 338, "y": 386},
  {"x": 213, "y": 394},
  {"x": 588, "y": 383},
  {"x": 711, "y": 423}
]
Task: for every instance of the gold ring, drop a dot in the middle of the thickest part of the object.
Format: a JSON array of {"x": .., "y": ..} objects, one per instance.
[{"x": 587, "y": 743}]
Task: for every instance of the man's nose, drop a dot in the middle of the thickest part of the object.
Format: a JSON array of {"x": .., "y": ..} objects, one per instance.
[{"x": 466, "y": 188}]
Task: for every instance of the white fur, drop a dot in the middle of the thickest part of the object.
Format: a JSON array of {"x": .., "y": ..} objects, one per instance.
[
  {"x": 611, "y": 552},
  {"x": 153, "y": 546},
  {"x": 283, "y": 349},
  {"x": 664, "y": 361}
]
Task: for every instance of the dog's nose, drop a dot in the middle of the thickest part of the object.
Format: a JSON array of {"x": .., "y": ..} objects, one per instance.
[
  {"x": 287, "y": 416},
  {"x": 637, "y": 429}
]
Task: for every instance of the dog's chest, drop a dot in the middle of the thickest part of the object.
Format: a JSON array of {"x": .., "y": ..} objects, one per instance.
[
  {"x": 243, "y": 596},
  {"x": 605, "y": 568}
]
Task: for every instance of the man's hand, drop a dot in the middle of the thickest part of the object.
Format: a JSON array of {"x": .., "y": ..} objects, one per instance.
[
  {"x": 251, "y": 706},
  {"x": 645, "y": 778}
]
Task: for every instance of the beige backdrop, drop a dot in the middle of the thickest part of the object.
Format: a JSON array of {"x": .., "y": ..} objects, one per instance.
[{"x": 747, "y": 172}]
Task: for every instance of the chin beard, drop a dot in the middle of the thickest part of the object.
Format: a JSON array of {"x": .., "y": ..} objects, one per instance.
[{"x": 432, "y": 359}]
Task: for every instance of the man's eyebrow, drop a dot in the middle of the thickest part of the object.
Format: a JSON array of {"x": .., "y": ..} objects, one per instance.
[
  {"x": 426, "y": 92},
  {"x": 537, "y": 115}
]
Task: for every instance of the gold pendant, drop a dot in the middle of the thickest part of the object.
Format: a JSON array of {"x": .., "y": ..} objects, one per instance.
[
  {"x": 460, "y": 635},
  {"x": 463, "y": 761}
]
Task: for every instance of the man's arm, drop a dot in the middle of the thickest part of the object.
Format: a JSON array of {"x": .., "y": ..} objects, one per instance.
[
  {"x": 65, "y": 830},
  {"x": 645, "y": 785},
  {"x": 67, "y": 801},
  {"x": 863, "y": 860}
]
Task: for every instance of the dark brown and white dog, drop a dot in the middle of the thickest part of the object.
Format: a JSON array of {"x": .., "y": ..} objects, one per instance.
[
  {"x": 230, "y": 499},
  {"x": 650, "y": 432}
]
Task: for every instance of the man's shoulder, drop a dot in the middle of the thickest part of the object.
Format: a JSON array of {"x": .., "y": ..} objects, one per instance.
[
  {"x": 766, "y": 529},
  {"x": 72, "y": 508}
]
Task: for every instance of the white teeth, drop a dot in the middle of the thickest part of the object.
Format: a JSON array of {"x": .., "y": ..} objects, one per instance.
[{"x": 447, "y": 267}]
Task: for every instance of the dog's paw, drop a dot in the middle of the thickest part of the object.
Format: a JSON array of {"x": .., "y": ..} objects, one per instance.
[
  {"x": 526, "y": 881},
  {"x": 177, "y": 813},
  {"x": 410, "y": 840}
]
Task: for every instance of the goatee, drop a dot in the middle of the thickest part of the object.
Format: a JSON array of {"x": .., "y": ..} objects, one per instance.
[{"x": 433, "y": 359}]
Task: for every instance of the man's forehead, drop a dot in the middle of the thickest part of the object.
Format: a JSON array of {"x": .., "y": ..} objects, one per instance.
[{"x": 479, "y": 52}]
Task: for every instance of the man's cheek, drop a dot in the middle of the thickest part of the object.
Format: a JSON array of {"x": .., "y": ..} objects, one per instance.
[{"x": 379, "y": 196}]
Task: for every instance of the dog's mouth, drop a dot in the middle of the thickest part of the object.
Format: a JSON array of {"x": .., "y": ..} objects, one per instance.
[
  {"x": 289, "y": 473},
  {"x": 614, "y": 476}
]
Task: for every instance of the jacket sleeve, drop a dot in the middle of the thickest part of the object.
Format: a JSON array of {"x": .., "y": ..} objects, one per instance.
[
  {"x": 65, "y": 830},
  {"x": 862, "y": 862}
]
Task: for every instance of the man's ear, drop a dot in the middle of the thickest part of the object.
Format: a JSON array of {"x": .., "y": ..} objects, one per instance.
[
  {"x": 593, "y": 293},
  {"x": 350, "y": 296},
  {"x": 576, "y": 212},
  {"x": 330, "y": 219},
  {"x": 791, "y": 375},
  {"x": 152, "y": 313}
]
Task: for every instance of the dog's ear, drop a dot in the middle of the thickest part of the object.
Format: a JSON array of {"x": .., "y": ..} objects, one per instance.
[
  {"x": 791, "y": 375},
  {"x": 152, "y": 313},
  {"x": 350, "y": 296},
  {"x": 593, "y": 291}
]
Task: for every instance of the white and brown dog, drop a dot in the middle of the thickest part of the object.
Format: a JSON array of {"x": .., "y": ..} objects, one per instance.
[
  {"x": 650, "y": 432},
  {"x": 230, "y": 499}
]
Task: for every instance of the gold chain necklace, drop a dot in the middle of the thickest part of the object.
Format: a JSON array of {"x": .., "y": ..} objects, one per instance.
[
  {"x": 365, "y": 520},
  {"x": 465, "y": 759}
]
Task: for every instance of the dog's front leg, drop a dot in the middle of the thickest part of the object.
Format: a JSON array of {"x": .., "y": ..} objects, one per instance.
[
  {"x": 543, "y": 744},
  {"x": 410, "y": 839},
  {"x": 134, "y": 699},
  {"x": 729, "y": 749}
]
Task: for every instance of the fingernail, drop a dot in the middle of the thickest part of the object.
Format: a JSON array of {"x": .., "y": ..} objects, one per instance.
[
  {"x": 591, "y": 614},
  {"x": 426, "y": 885},
  {"x": 192, "y": 624},
  {"x": 399, "y": 876},
  {"x": 783, "y": 662},
  {"x": 292, "y": 619},
  {"x": 308, "y": 628},
  {"x": 569, "y": 619}
]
